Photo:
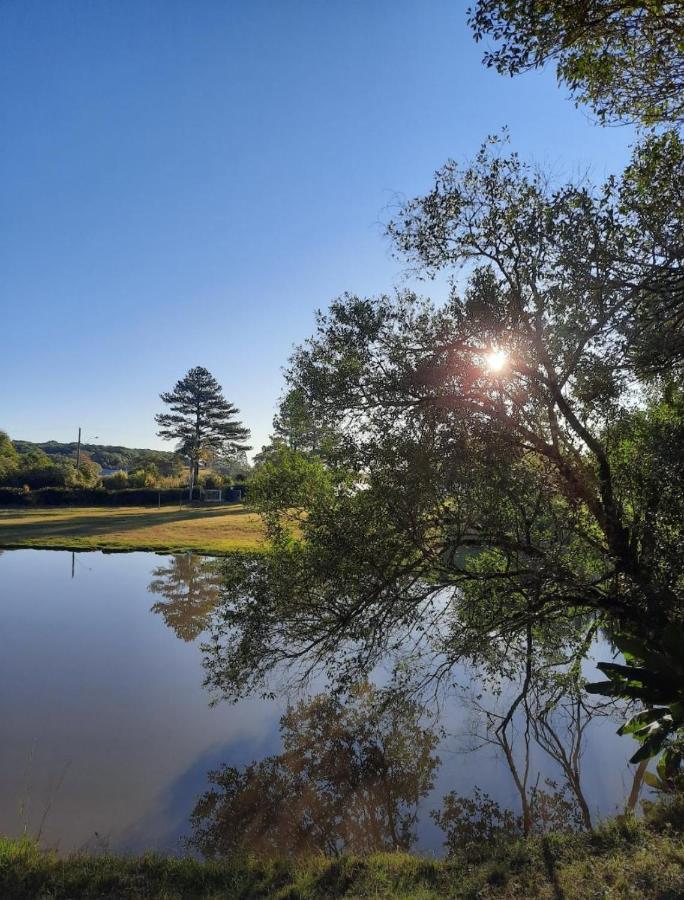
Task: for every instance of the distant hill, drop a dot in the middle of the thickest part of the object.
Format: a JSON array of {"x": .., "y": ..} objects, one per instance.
[{"x": 126, "y": 458}]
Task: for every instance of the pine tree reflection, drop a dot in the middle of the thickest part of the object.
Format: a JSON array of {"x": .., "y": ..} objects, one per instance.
[
  {"x": 190, "y": 585},
  {"x": 350, "y": 778}
]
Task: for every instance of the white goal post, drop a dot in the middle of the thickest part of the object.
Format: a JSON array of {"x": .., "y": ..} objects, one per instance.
[{"x": 212, "y": 495}]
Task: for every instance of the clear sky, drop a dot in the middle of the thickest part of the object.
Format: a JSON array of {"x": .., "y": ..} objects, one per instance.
[{"x": 183, "y": 182}]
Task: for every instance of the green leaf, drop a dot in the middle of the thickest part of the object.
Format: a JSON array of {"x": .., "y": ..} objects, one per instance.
[
  {"x": 643, "y": 718},
  {"x": 649, "y": 748},
  {"x": 653, "y": 781},
  {"x": 604, "y": 688},
  {"x": 637, "y": 649}
]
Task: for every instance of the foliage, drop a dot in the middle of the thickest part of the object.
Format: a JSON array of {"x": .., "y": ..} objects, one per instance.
[
  {"x": 653, "y": 674},
  {"x": 286, "y": 484},
  {"x": 201, "y": 419},
  {"x": 9, "y": 458},
  {"x": 470, "y": 821},
  {"x": 349, "y": 779},
  {"x": 145, "y": 477},
  {"x": 624, "y": 59},
  {"x": 28, "y": 466},
  {"x": 297, "y": 427},
  {"x": 37, "y": 473},
  {"x": 213, "y": 480},
  {"x": 474, "y": 823},
  {"x": 87, "y": 474},
  {"x": 116, "y": 481},
  {"x": 108, "y": 457},
  {"x": 231, "y": 465},
  {"x": 465, "y": 502}
]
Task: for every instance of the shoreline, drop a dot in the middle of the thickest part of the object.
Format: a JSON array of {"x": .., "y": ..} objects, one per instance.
[{"x": 623, "y": 857}]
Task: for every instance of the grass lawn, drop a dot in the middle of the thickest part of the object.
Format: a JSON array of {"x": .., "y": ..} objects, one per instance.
[{"x": 214, "y": 530}]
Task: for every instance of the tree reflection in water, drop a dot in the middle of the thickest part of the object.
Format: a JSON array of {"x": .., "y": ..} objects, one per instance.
[
  {"x": 190, "y": 585},
  {"x": 355, "y": 764},
  {"x": 350, "y": 778}
]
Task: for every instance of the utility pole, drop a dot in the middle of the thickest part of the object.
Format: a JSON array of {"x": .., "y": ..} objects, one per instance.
[{"x": 78, "y": 450}]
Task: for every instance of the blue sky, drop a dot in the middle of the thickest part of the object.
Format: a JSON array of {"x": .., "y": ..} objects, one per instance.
[{"x": 184, "y": 183}]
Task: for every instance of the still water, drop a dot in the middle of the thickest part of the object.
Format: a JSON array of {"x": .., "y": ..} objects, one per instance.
[{"x": 108, "y": 733}]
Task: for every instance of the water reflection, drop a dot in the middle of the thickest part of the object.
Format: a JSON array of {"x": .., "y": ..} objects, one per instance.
[
  {"x": 108, "y": 729},
  {"x": 103, "y": 710},
  {"x": 191, "y": 587},
  {"x": 534, "y": 714},
  {"x": 355, "y": 772},
  {"x": 351, "y": 775}
]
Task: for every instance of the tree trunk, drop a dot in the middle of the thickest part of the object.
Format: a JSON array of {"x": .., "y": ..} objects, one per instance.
[
  {"x": 197, "y": 445},
  {"x": 637, "y": 784}
]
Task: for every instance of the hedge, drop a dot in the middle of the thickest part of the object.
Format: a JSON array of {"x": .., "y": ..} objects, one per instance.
[{"x": 92, "y": 497}]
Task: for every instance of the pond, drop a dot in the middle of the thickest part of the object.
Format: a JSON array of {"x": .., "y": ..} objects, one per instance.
[{"x": 108, "y": 732}]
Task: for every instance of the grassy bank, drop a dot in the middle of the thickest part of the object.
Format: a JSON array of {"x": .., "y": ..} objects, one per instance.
[
  {"x": 621, "y": 860},
  {"x": 214, "y": 530}
]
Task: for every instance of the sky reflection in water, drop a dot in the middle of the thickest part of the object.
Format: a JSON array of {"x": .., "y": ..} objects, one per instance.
[{"x": 108, "y": 735}]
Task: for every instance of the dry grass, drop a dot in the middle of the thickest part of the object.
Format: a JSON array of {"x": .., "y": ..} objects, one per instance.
[{"x": 215, "y": 530}]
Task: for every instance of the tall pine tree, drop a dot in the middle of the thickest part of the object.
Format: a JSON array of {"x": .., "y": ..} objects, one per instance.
[{"x": 201, "y": 418}]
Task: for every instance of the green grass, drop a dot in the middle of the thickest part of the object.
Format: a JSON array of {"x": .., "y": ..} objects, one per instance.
[
  {"x": 622, "y": 859},
  {"x": 214, "y": 530}
]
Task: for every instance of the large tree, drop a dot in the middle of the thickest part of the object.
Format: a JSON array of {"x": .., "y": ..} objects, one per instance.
[
  {"x": 510, "y": 460},
  {"x": 201, "y": 419},
  {"x": 625, "y": 58}
]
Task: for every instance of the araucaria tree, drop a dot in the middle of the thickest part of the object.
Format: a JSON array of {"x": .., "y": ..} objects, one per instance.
[{"x": 201, "y": 419}]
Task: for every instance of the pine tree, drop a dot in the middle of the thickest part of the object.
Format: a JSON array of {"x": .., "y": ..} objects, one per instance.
[{"x": 201, "y": 418}]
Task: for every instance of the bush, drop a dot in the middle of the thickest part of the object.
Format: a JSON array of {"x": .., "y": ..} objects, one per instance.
[
  {"x": 145, "y": 477},
  {"x": 213, "y": 480},
  {"x": 116, "y": 481},
  {"x": 38, "y": 473},
  {"x": 48, "y": 476}
]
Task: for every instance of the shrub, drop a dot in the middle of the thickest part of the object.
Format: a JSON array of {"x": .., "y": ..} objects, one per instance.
[
  {"x": 144, "y": 477},
  {"x": 116, "y": 481},
  {"x": 213, "y": 480},
  {"x": 47, "y": 476}
]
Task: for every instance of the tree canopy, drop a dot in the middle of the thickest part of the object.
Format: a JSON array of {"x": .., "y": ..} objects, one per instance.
[
  {"x": 9, "y": 458},
  {"x": 23, "y": 463},
  {"x": 624, "y": 59},
  {"x": 509, "y": 462}
]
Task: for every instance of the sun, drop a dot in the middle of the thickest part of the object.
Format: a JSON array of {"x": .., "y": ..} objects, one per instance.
[{"x": 496, "y": 360}]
